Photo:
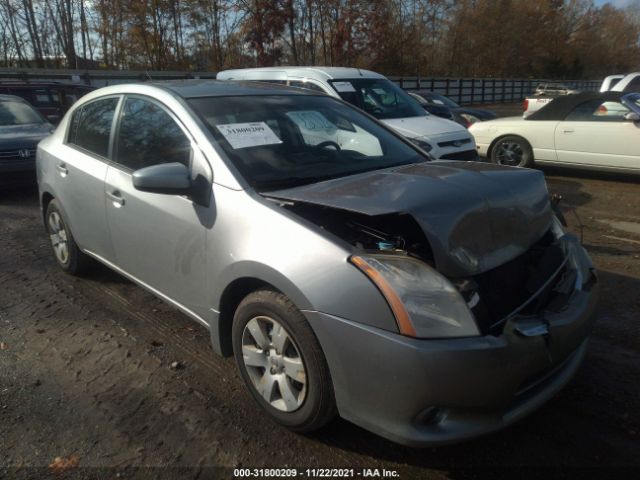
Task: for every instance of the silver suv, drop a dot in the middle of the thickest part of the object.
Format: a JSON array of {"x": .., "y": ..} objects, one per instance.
[{"x": 427, "y": 301}]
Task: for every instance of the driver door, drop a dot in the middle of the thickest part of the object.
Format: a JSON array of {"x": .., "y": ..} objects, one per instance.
[
  {"x": 597, "y": 133},
  {"x": 158, "y": 239}
]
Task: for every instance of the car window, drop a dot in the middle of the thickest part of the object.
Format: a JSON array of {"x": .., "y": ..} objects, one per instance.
[
  {"x": 91, "y": 126},
  {"x": 148, "y": 135},
  {"x": 42, "y": 96},
  {"x": 277, "y": 141},
  {"x": 598, "y": 110},
  {"x": 307, "y": 85}
]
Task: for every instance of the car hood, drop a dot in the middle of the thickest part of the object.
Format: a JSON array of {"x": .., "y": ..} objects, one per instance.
[
  {"x": 477, "y": 112},
  {"x": 476, "y": 216},
  {"x": 16, "y": 136},
  {"x": 414, "y": 127}
]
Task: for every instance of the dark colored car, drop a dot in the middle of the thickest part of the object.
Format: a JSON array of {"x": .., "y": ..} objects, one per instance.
[
  {"x": 21, "y": 128},
  {"x": 51, "y": 99},
  {"x": 467, "y": 116}
]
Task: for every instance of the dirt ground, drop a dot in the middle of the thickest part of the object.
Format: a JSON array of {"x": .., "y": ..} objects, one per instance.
[{"x": 85, "y": 375}]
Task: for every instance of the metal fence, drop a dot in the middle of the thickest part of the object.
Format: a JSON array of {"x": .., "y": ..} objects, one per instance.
[{"x": 465, "y": 91}]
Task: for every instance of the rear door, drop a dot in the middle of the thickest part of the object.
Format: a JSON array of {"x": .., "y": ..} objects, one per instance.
[
  {"x": 597, "y": 133},
  {"x": 80, "y": 171},
  {"x": 158, "y": 239}
]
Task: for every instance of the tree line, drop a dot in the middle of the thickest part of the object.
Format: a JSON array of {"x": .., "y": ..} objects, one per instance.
[{"x": 479, "y": 38}]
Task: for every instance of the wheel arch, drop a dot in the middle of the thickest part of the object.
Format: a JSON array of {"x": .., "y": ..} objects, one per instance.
[{"x": 260, "y": 277}]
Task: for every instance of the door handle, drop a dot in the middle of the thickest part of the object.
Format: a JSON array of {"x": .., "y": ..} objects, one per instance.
[
  {"x": 568, "y": 130},
  {"x": 115, "y": 197},
  {"x": 62, "y": 168}
]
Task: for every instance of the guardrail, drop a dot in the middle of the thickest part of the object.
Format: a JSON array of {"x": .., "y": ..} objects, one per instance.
[{"x": 467, "y": 91}]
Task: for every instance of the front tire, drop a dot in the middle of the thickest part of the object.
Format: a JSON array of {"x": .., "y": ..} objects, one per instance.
[
  {"x": 65, "y": 250},
  {"x": 281, "y": 362},
  {"x": 512, "y": 151}
]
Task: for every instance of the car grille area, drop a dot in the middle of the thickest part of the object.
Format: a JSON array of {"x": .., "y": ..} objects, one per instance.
[
  {"x": 464, "y": 155},
  {"x": 22, "y": 155},
  {"x": 455, "y": 143},
  {"x": 525, "y": 285}
]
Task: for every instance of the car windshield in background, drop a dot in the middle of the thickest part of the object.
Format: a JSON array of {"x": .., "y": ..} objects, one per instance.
[
  {"x": 442, "y": 100},
  {"x": 17, "y": 113},
  {"x": 283, "y": 141},
  {"x": 378, "y": 97}
]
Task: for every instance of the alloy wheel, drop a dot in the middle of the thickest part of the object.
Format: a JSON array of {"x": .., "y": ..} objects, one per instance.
[
  {"x": 509, "y": 153},
  {"x": 274, "y": 364},
  {"x": 58, "y": 236}
]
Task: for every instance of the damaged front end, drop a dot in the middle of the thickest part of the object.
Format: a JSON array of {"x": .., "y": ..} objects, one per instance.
[{"x": 443, "y": 259}]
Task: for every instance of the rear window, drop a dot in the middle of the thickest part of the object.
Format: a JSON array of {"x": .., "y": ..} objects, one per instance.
[{"x": 90, "y": 126}]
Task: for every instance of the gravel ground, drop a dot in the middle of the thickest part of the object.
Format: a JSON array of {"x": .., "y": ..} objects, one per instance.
[{"x": 87, "y": 387}]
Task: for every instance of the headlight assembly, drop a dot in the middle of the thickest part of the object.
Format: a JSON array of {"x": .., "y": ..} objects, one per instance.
[
  {"x": 426, "y": 146},
  {"x": 425, "y": 304}
]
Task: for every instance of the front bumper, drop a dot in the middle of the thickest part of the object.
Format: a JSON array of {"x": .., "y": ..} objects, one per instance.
[{"x": 433, "y": 392}]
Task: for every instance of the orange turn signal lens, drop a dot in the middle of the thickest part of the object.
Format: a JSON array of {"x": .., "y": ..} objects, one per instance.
[{"x": 402, "y": 317}]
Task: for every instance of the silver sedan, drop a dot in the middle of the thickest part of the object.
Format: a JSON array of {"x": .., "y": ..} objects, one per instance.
[{"x": 427, "y": 301}]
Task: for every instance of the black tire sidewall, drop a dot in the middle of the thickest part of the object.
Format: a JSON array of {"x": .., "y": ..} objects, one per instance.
[
  {"x": 527, "y": 152},
  {"x": 300, "y": 332}
]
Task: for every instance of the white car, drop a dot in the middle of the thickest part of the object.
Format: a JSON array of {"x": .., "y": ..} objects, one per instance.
[
  {"x": 379, "y": 97},
  {"x": 586, "y": 130}
]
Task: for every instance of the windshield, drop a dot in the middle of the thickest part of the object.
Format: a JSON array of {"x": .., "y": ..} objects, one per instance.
[
  {"x": 287, "y": 140},
  {"x": 17, "y": 113},
  {"x": 378, "y": 97},
  {"x": 442, "y": 100}
]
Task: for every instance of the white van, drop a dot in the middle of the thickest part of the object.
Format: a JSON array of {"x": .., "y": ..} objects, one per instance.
[{"x": 379, "y": 97}]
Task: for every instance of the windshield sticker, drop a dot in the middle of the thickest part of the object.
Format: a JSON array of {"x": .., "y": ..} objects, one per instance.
[
  {"x": 243, "y": 135},
  {"x": 343, "y": 87}
]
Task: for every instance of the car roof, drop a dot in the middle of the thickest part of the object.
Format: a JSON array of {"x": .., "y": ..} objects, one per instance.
[
  {"x": 325, "y": 73},
  {"x": 218, "y": 88},
  {"x": 560, "y": 107}
]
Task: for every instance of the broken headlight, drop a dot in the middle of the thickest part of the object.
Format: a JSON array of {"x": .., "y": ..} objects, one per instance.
[{"x": 424, "y": 302}]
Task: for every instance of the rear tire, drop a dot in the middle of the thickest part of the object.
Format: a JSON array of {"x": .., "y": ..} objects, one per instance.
[
  {"x": 281, "y": 362},
  {"x": 512, "y": 151},
  {"x": 65, "y": 250}
]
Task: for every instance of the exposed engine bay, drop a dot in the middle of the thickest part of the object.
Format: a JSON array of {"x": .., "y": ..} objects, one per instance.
[{"x": 534, "y": 281}]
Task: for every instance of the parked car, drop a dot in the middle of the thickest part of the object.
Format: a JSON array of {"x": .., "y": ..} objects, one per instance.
[
  {"x": 437, "y": 109},
  {"x": 376, "y": 95},
  {"x": 465, "y": 116},
  {"x": 622, "y": 83},
  {"x": 586, "y": 130},
  {"x": 609, "y": 82},
  {"x": 21, "y": 128},
  {"x": 342, "y": 278},
  {"x": 554, "y": 89},
  {"x": 52, "y": 99}
]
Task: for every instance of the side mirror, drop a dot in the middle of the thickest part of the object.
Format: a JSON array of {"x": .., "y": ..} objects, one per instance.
[
  {"x": 632, "y": 117},
  {"x": 167, "y": 178}
]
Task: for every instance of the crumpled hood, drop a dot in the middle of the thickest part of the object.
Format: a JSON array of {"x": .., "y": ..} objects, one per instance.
[
  {"x": 476, "y": 216},
  {"x": 430, "y": 125}
]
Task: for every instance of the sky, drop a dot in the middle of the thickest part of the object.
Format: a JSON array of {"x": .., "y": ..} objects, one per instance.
[{"x": 616, "y": 3}]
